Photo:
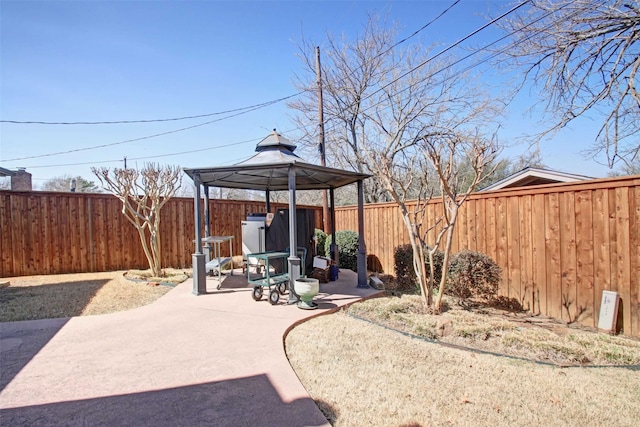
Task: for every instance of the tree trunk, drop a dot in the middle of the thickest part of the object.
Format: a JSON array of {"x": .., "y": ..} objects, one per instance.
[{"x": 447, "y": 255}]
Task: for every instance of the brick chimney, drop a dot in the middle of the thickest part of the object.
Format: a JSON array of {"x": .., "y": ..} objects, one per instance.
[{"x": 21, "y": 181}]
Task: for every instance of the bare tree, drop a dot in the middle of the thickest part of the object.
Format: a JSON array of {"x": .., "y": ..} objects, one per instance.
[
  {"x": 443, "y": 152},
  {"x": 69, "y": 183},
  {"x": 585, "y": 56},
  {"x": 350, "y": 74},
  {"x": 389, "y": 108},
  {"x": 143, "y": 193}
]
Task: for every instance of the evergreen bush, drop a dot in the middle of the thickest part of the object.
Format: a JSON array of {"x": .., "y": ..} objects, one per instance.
[
  {"x": 321, "y": 238},
  {"x": 347, "y": 242},
  {"x": 473, "y": 274},
  {"x": 403, "y": 267}
]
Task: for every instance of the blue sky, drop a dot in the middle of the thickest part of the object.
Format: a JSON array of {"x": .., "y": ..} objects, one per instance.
[{"x": 131, "y": 60}]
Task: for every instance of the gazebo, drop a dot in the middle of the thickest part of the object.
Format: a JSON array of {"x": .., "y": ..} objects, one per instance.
[{"x": 274, "y": 167}]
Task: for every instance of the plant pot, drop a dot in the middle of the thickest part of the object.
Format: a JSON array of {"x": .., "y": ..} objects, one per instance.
[{"x": 306, "y": 289}]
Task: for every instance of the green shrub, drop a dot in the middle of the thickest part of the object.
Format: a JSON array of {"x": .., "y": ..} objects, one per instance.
[
  {"x": 473, "y": 274},
  {"x": 321, "y": 238},
  {"x": 438, "y": 259},
  {"x": 347, "y": 242},
  {"x": 403, "y": 267}
]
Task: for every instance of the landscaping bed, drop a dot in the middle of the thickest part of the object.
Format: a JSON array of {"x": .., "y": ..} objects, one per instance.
[{"x": 486, "y": 328}]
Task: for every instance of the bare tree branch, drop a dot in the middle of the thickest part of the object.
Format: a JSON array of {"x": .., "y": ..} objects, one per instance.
[{"x": 585, "y": 55}]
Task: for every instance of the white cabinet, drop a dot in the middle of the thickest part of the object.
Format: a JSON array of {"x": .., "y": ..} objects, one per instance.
[{"x": 253, "y": 239}]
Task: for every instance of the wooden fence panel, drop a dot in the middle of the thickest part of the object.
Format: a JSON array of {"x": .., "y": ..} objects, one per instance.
[
  {"x": 623, "y": 251},
  {"x": 53, "y": 233},
  {"x": 538, "y": 249},
  {"x": 501, "y": 240},
  {"x": 559, "y": 245},
  {"x": 601, "y": 247},
  {"x": 584, "y": 256},
  {"x": 480, "y": 221},
  {"x": 527, "y": 297},
  {"x": 568, "y": 256},
  {"x": 490, "y": 229},
  {"x": 634, "y": 245}
]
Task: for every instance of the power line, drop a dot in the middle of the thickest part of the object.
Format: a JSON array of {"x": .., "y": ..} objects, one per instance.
[
  {"x": 480, "y": 62},
  {"x": 147, "y": 157},
  {"x": 262, "y": 105},
  {"x": 239, "y": 110},
  {"x": 131, "y": 140},
  {"x": 250, "y": 108},
  {"x": 483, "y": 60},
  {"x": 415, "y": 33},
  {"x": 442, "y": 52}
]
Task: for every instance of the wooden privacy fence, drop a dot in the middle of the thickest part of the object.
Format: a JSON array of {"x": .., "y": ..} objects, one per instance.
[
  {"x": 53, "y": 233},
  {"x": 559, "y": 245}
]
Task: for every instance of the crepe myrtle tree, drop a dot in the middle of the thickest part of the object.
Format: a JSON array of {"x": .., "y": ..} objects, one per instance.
[
  {"x": 143, "y": 193},
  {"x": 444, "y": 153}
]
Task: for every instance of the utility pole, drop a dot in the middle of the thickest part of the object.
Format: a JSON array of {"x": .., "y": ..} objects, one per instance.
[
  {"x": 328, "y": 226},
  {"x": 125, "y": 162}
]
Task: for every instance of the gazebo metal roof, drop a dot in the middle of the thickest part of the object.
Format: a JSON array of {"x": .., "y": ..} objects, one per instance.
[{"x": 269, "y": 168}]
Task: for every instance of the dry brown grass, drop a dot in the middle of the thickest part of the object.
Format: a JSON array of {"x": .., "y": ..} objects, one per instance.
[
  {"x": 68, "y": 295},
  {"x": 363, "y": 374}
]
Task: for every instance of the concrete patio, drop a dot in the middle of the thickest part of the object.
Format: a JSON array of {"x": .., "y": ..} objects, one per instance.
[{"x": 215, "y": 359}]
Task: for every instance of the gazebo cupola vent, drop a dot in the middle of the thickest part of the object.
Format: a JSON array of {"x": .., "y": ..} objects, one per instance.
[{"x": 275, "y": 141}]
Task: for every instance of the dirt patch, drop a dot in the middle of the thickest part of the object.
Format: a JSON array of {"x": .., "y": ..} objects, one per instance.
[{"x": 69, "y": 295}]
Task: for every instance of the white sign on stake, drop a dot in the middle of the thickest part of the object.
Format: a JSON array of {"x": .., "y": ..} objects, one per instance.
[{"x": 608, "y": 311}]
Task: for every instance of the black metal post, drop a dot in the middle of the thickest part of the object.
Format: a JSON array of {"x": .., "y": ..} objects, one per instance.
[
  {"x": 333, "y": 247},
  {"x": 199, "y": 274},
  {"x": 362, "y": 250},
  {"x": 207, "y": 223},
  {"x": 294, "y": 260}
]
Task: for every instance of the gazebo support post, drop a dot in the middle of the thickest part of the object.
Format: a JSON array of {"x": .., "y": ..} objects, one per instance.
[
  {"x": 267, "y": 196},
  {"x": 294, "y": 260},
  {"x": 333, "y": 247},
  {"x": 199, "y": 273},
  {"x": 362, "y": 250},
  {"x": 207, "y": 223}
]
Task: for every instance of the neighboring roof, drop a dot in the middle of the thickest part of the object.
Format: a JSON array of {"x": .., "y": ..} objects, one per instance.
[
  {"x": 535, "y": 176},
  {"x": 268, "y": 169},
  {"x": 6, "y": 172}
]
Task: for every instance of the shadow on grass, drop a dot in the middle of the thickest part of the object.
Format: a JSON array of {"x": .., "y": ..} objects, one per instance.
[
  {"x": 236, "y": 402},
  {"x": 67, "y": 299}
]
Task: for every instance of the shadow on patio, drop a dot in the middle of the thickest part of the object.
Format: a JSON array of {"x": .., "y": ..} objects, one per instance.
[{"x": 223, "y": 403}]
